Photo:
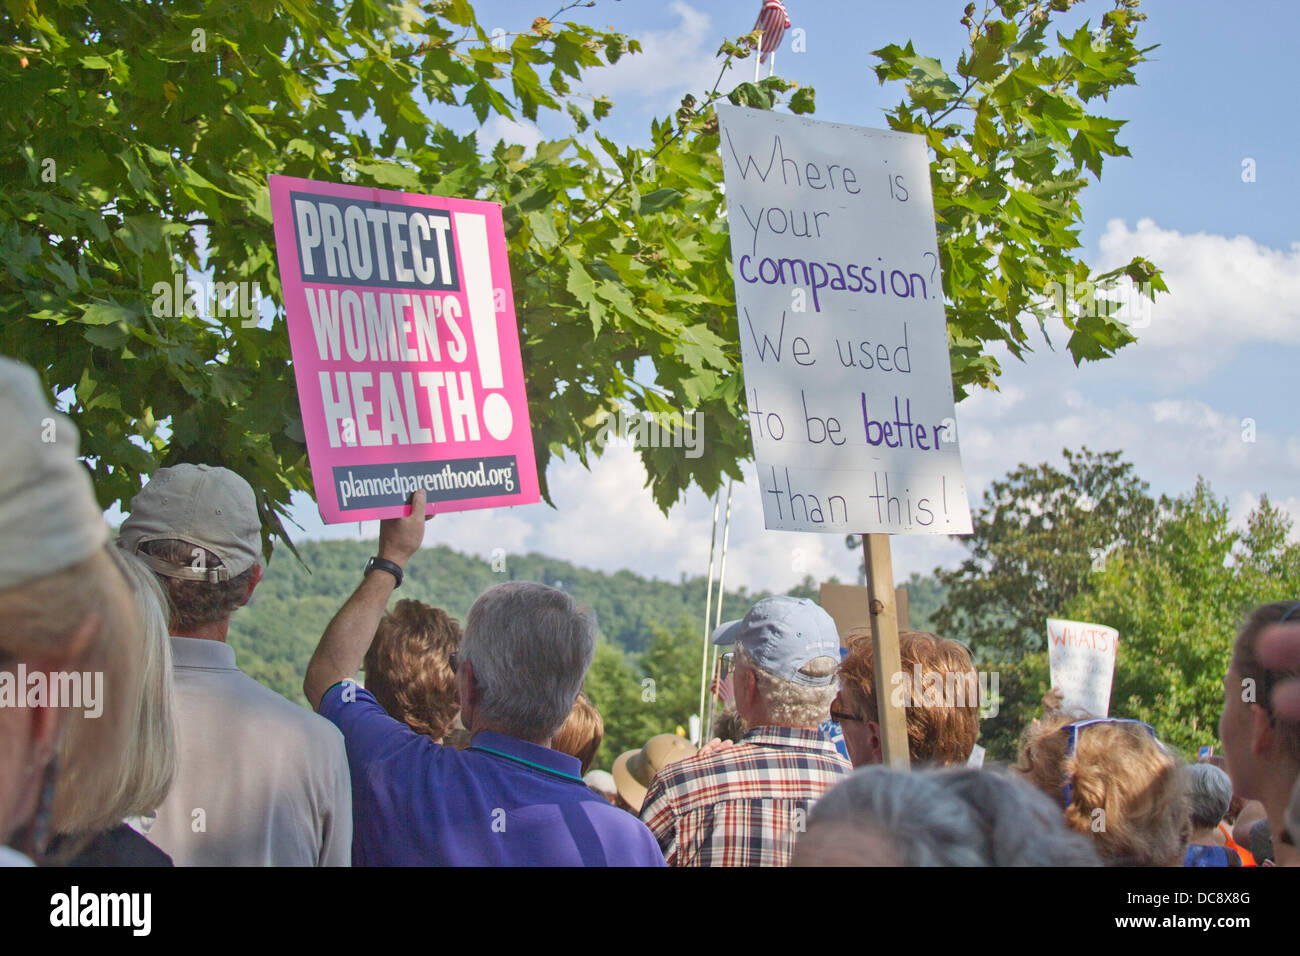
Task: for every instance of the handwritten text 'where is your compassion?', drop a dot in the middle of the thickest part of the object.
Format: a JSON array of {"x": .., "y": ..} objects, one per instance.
[
  {"x": 816, "y": 275},
  {"x": 354, "y": 245},
  {"x": 897, "y": 432}
]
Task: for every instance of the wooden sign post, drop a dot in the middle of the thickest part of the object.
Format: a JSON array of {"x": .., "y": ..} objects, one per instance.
[
  {"x": 850, "y": 606},
  {"x": 884, "y": 648}
]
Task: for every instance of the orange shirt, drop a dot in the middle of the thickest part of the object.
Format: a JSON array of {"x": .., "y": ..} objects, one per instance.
[{"x": 1231, "y": 844}]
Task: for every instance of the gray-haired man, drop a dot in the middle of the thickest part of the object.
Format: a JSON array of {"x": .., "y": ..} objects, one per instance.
[
  {"x": 261, "y": 781},
  {"x": 508, "y": 800},
  {"x": 743, "y": 805}
]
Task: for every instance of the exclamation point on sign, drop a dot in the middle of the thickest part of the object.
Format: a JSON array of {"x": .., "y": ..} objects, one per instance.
[{"x": 476, "y": 270}]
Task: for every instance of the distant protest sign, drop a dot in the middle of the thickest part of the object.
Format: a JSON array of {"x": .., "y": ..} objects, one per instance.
[
  {"x": 1082, "y": 660},
  {"x": 848, "y": 381},
  {"x": 849, "y": 606},
  {"x": 405, "y": 349}
]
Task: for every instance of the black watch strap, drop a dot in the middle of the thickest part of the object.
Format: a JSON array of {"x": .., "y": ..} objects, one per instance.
[{"x": 383, "y": 564}]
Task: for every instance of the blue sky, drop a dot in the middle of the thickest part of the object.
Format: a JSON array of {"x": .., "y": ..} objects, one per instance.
[{"x": 1221, "y": 348}]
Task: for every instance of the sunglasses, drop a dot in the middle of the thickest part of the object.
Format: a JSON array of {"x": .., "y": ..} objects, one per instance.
[
  {"x": 726, "y": 664},
  {"x": 1067, "y": 788},
  {"x": 840, "y": 715},
  {"x": 453, "y": 660}
]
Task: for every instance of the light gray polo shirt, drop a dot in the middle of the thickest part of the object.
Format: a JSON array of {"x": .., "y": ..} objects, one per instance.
[{"x": 261, "y": 781}]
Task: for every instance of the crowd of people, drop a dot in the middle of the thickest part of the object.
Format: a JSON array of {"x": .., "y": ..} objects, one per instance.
[{"x": 475, "y": 746}]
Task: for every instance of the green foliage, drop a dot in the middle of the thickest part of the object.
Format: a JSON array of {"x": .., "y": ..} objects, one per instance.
[
  {"x": 1013, "y": 141},
  {"x": 925, "y": 595},
  {"x": 639, "y": 696},
  {"x": 140, "y": 141},
  {"x": 1177, "y": 602},
  {"x": 1036, "y": 539},
  {"x": 1171, "y": 576},
  {"x": 644, "y": 678},
  {"x": 140, "y": 138},
  {"x": 1022, "y": 682}
]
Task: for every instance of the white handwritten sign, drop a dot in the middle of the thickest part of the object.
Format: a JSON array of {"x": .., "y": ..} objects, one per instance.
[
  {"x": 840, "y": 302},
  {"x": 1082, "y": 660}
]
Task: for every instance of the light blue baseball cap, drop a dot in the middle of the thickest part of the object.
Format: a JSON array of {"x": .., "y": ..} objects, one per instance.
[{"x": 782, "y": 634}]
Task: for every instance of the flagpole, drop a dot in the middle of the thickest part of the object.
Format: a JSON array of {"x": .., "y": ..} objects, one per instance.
[
  {"x": 708, "y": 601},
  {"x": 707, "y": 733}
]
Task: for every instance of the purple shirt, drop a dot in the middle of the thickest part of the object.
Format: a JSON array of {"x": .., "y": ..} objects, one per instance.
[{"x": 502, "y": 802}]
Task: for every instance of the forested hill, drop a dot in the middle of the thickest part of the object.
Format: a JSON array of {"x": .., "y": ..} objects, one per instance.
[{"x": 275, "y": 635}]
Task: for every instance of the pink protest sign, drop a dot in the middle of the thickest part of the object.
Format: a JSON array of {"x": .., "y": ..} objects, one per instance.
[{"x": 405, "y": 349}]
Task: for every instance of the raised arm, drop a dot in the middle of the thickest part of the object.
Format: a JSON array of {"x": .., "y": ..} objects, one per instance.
[{"x": 343, "y": 646}]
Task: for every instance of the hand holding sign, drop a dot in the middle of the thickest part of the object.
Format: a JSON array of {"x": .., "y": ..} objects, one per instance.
[
  {"x": 1052, "y": 702},
  {"x": 400, "y": 538}
]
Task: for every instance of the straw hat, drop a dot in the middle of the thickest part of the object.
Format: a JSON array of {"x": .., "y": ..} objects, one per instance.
[{"x": 634, "y": 770}]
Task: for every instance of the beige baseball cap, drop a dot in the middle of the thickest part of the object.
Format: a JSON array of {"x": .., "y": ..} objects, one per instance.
[
  {"x": 204, "y": 506},
  {"x": 635, "y": 769},
  {"x": 49, "y": 519}
]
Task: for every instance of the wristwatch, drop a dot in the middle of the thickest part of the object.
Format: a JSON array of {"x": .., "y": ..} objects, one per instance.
[{"x": 383, "y": 564}]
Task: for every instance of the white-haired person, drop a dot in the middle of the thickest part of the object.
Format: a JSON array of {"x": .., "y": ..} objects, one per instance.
[
  {"x": 602, "y": 782},
  {"x": 1260, "y": 725},
  {"x": 509, "y": 798},
  {"x": 939, "y": 817},
  {"x": 1209, "y": 794},
  {"x": 67, "y": 625},
  {"x": 742, "y": 805},
  {"x": 107, "y": 828}
]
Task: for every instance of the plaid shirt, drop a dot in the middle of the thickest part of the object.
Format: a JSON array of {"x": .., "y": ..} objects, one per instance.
[{"x": 742, "y": 805}]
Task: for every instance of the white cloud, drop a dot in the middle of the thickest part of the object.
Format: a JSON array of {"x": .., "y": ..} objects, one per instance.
[
  {"x": 519, "y": 132},
  {"x": 1170, "y": 441},
  {"x": 1224, "y": 293},
  {"x": 1245, "y": 503},
  {"x": 671, "y": 63},
  {"x": 606, "y": 519}
]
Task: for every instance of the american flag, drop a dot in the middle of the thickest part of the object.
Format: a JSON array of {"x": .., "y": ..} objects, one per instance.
[{"x": 773, "y": 21}]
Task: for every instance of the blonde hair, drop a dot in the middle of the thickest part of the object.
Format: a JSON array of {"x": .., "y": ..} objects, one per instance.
[
  {"x": 1127, "y": 790},
  {"x": 582, "y": 733},
  {"x": 149, "y": 763},
  {"x": 42, "y": 618},
  {"x": 790, "y": 704}
]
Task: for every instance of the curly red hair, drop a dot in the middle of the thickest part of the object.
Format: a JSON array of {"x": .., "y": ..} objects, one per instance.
[{"x": 408, "y": 667}]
